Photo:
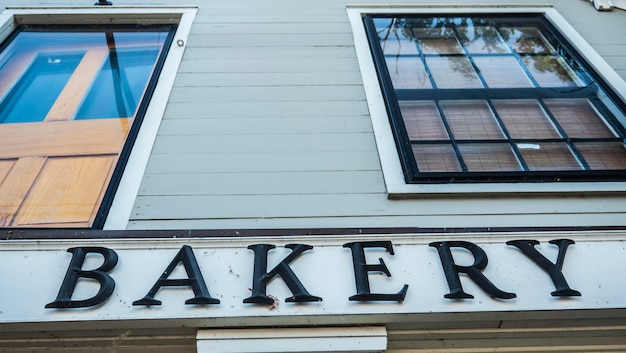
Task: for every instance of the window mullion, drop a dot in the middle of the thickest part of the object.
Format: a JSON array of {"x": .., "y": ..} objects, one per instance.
[
  {"x": 564, "y": 135},
  {"x": 506, "y": 133},
  {"x": 451, "y": 137},
  {"x": 518, "y": 59},
  {"x": 469, "y": 57}
]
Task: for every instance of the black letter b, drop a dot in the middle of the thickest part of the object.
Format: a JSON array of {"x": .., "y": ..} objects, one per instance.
[{"x": 74, "y": 272}]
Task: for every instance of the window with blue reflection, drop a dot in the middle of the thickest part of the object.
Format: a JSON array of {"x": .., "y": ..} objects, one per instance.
[{"x": 71, "y": 101}]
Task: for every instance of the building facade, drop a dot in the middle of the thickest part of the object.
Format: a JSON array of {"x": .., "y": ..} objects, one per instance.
[{"x": 312, "y": 176}]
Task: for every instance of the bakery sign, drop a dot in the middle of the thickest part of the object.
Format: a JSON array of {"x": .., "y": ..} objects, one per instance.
[
  {"x": 310, "y": 276},
  {"x": 262, "y": 276}
]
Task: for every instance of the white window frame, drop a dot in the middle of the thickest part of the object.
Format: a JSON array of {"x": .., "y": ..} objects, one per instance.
[
  {"x": 385, "y": 142},
  {"x": 183, "y": 16}
]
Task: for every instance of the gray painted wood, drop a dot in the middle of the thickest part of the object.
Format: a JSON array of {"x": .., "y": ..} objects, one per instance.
[
  {"x": 317, "y": 64},
  {"x": 262, "y": 162},
  {"x": 250, "y": 95},
  {"x": 268, "y": 79},
  {"x": 265, "y": 109},
  {"x": 305, "y": 204},
  {"x": 342, "y": 142},
  {"x": 286, "y": 125},
  {"x": 267, "y": 127},
  {"x": 265, "y": 183}
]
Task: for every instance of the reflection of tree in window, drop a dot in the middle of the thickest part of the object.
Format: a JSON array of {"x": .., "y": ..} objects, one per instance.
[{"x": 519, "y": 74}]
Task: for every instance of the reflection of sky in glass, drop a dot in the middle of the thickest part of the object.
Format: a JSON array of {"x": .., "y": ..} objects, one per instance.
[
  {"x": 437, "y": 41},
  {"x": 393, "y": 39},
  {"x": 117, "y": 91},
  {"x": 550, "y": 71},
  {"x": 527, "y": 40},
  {"x": 396, "y": 46},
  {"x": 135, "y": 68},
  {"x": 406, "y": 72},
  {"x": 31, "y": 98},
  {"x": 502, "y": 72},
  {"x": 488, "y": 45},
  {"x": 440, "y": 46},
  {"x": 453, "y": 72},
  {"x": 482, "y": 39},
  {"x": 36, "y": 67}
]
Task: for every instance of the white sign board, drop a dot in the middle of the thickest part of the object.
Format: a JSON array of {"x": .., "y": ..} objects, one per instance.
[{"x": 32, "y": 274}]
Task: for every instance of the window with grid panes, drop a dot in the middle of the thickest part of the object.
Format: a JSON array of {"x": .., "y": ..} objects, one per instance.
[{"x": 494, "y": 98}]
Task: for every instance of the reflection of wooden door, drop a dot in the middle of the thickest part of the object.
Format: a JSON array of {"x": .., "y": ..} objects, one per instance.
[{"x": 54, "y": 173}]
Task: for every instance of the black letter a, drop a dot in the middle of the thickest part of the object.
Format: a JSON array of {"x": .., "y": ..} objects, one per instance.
[{"x": 194, "y": 280}]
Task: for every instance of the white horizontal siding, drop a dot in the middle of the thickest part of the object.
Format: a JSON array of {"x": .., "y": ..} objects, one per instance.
[{"x": 268, "y": 127}]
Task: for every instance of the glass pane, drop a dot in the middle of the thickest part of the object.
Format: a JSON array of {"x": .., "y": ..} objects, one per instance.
[
  {"x": 502, "y": 72},
  {"x": 471, "y": 120},
  {"x": 407, "y": 72},
  {"x": 578, "y": 118},
  {"x": 394, "y": 38},
  {"x": 118, "y": 89},
  {"x": 551, "y": 71},
  {"x": 526, "y": 40},
  {"x": 548, "y": 156},
  {"x": 453, "y": 72},
  {"x": 482, "y": 40},
  {"x": 33, "y": 95},
  {"x": 525, "y": 119},
  {"x": 396, "y": 46},
  {"x": 603, "y": 156},
  {"x": 436, "y": 158},
  {"x": 422, "y": 121},
  {"x": 489, "y": 157},
  {"x": 437, "y": 40}
]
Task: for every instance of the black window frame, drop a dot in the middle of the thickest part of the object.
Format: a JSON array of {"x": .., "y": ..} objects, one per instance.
[{"x": 392, "y": 97}]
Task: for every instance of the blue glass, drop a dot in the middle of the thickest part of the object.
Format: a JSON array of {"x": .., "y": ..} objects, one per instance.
[
  {"x": 116, "y": 93},
  {"x": 33, "y": 95},
  {"x": 36, "y": 67}
]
